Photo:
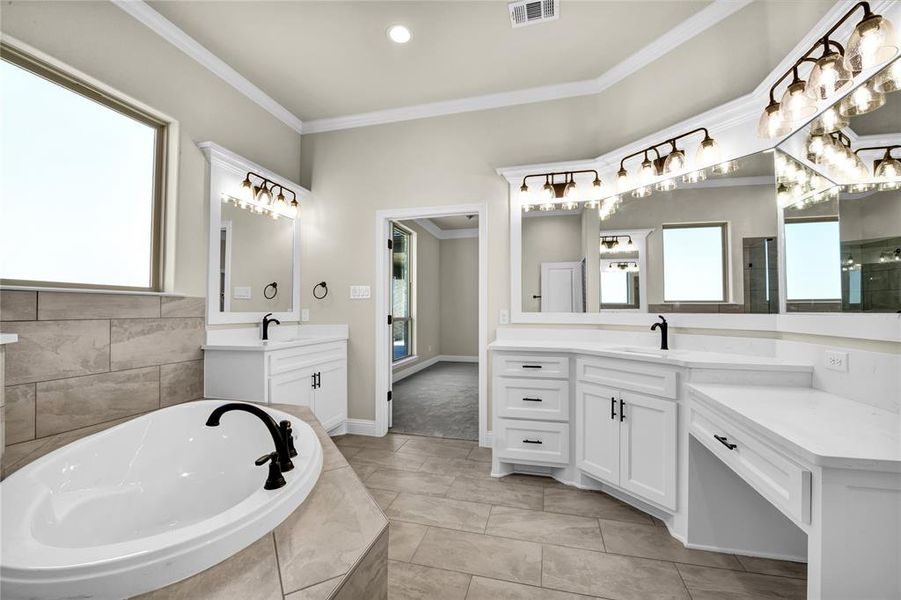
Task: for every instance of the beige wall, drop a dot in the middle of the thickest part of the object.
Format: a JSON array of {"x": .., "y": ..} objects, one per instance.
[
  {"x": 547, "y": 238},
  {"x": 107, "y": 44},
  {"x": 84, "y": 359},
  {"x": 460, "y": 297}
]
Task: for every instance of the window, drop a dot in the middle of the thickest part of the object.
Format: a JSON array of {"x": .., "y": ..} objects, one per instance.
[
  {"x": 694, "y": 263},
  {"x": 402, "y": 293},
  {"x": 813, "y": 260},
  {"x": 619, "y": 287},
  {"x": 81, "y": 179}
]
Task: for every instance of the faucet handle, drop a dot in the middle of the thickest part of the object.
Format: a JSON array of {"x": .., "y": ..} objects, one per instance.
[
  {"x": 274, "y": 480},
  {"x": 288, "y": 436}
]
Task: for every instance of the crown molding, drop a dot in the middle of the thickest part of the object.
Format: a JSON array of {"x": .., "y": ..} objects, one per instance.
[
  {"x": 678, "y": 35},
  {"x": 170, "y": 32},
  {"x": 446, "y": 234}
]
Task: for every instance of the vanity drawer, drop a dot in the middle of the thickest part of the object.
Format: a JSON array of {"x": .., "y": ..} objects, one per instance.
[
  {"x": 527, "y": 398},
  {"x": 524, "y": 365},
  {"x": 527, "y": 442},
  {"x": 776, "y": 477},
  {"x": 291, "y": 359},
  {"x": 634, "y": 375}
]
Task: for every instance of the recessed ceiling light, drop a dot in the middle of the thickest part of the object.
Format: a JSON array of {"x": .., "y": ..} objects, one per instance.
[{"x": 399, "y": 34}]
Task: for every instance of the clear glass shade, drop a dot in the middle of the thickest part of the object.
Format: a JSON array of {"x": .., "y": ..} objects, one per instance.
[
  {"x": 623, "y": 181},
  {"x": 889, "y": 80},
  {"x": 889, "y": 168},
  {"x": 872, "y": 43},
  {"x": 831, "y": 120},
  {"x": 796, "y": 105},
  {"x": 772, "y": 123},
  {"x": 830, "y": 76},
  {"x": 674, "y": 163},
  {"x": 863, "y": 100},
  {"x": 708, "y": 153}
]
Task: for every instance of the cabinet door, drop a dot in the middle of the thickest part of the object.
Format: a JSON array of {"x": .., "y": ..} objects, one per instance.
[
  {"x": 293, "y": 387},
  {"x": 648, "y": 448},
  {"x": 330, "y": 398},
  {"x": 598, "y": 431}
]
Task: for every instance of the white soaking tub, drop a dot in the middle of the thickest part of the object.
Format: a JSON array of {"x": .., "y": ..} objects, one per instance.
[{"x": 146, "y": 503}]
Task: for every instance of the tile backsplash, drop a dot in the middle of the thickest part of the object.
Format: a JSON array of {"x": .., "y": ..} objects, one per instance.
[{"x": 88, "y": 358}]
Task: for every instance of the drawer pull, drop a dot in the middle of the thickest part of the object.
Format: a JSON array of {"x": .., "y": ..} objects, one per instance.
[
  {"x": 622, "y": 411},
  {"x": 613, "y": 408},
  {"x": 724, "y": 441},
  {"x": 531, "y": 441},
  {"x": 531, "y": 399},
  {"x": 531, "y": 366}
]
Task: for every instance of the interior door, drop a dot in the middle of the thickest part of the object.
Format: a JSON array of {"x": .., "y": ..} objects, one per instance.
[
  {"x": 598, "y": 431},
  {"x": 648, "y": 448},
  {"x": 561, "y": 287},
  {"x": 330, "y": 395}
]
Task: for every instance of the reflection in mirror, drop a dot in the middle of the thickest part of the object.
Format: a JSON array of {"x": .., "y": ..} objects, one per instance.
[
  {"x": 255, "y": 260},
  {"x": 839, "y": 188}
]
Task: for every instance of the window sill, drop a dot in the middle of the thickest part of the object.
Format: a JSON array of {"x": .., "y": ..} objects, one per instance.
[
  {"x": 404, "y": 361},
  {"x": 35, "y": 288}
]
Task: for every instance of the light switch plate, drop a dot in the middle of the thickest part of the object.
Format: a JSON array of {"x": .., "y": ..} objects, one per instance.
[
  {"x": 836, "y": 361},
  {"x": 242, "y": 293},
  {"x": 360, "y": 292},
  {"x": 304, "y": 314},
  {"x": 504, "y": 318}
]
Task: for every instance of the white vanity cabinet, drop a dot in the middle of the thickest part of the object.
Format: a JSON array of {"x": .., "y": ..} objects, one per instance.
[{"x": 312, "y": 373}]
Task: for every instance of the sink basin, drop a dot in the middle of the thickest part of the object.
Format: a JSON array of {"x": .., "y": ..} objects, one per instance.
[
  {"x": 647, "y": 351},
  {"x": 146, "y": 503}
]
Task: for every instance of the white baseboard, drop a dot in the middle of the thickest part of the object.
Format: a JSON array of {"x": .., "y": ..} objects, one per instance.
[
  {"x": 425, "y": 364},
  {"x": 360, "y": 426},
  {"x": 487, "y": 440}
]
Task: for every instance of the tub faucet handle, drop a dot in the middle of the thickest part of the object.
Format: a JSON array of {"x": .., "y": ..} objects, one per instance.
[
  {"x": 275, "y": 479},
  {"x": 288, "y": 436}
]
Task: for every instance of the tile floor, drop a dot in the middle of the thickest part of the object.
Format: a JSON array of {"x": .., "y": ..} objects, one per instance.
[{"x": 456, "y": 533}]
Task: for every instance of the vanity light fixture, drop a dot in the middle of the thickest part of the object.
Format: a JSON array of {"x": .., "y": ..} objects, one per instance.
[
  {"x": 566, "y": 191},
  {"x": 863, "y": 100},
  {"x": 872, "y": 43},
  {"x": 886, "y": 170},
  {"x": 258, "y": 197},
  {"x": 612, "y": 244},
  {"x": 889, "y": 80},
  {"x": 629, "y": 267}
]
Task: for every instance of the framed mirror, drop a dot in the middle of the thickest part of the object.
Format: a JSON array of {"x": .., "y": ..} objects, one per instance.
[{"x": 254, "y": 250}]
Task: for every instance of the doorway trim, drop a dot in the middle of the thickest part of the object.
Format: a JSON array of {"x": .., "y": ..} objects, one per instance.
[{"x": 383, "y": 219}]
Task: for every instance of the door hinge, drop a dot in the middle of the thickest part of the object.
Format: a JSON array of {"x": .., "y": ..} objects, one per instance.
[
  {"x": 390, "y": 244},
  {"x": 390, "y": 320},
  {"x": 389, "y": 395}
]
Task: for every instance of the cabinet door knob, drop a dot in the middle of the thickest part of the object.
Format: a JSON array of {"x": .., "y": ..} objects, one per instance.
[
  {"x": 725, "y": 441},
  {"x": 531, "y": 441}
]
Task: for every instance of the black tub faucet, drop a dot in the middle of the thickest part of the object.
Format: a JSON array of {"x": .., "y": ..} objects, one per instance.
[
  {"x": 266, "y": 322},
  {"x": 664, "y": 329},
  {"x": 279, "y": 432}
]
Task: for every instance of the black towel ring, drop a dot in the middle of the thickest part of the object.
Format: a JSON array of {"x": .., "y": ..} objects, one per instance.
[
  {"x": 274, "y": 286},
  {"x": 322, "y": 285}
]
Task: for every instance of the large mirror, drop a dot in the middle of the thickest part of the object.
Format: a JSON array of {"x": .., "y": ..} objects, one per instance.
[
  {"x": 703, "y": 243},
  {"x": 839, "y": 190}
]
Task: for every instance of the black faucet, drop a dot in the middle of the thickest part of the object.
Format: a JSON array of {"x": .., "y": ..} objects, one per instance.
[
  {"x": 266, "y": 322},
  {"x": 664, "y": 329},
  {"x": 280, "y": 432}
]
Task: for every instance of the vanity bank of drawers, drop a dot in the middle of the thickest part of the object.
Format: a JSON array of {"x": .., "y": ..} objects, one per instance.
[{"x": 622, "y": 414}]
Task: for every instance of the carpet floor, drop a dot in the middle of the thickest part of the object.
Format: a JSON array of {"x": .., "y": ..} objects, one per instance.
[{"x": 440, "y": 401}]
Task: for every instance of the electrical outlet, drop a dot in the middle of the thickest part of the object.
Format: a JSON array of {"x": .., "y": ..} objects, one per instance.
[
  {"x": 504, "y": 318},
  {"x": 305, "y": 314},
  {"x": 836, "y": 361},
  {"x": 360, "y": 292}
]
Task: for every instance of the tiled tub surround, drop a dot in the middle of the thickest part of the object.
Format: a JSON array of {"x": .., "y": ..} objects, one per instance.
[
  {"x": 83, "y": 359},
  {"x": 334, "y": 546}
]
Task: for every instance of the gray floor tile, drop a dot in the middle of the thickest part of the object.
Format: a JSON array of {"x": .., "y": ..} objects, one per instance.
[
  {"x": 426, "y": 447},
  {"x": 416, "y": 582},
  {"x": 383, "y": 498},
  {"x": 591, "y": 504},
  {"x": 650, "y": 541},
  {"x": 721, "y": 583},
  {"x": 480, "y": 454},
  {"x": 478, "y": 554},
  {"x": 389, "y": 459},
  {"x": 768, "y": 566},
  {"x": 456, "y": 466},
  {"x": 404, "y": 539},
  {"x": 440, "y": 512},
  {"x": 414, "y": 482},
  {"x": 491, "y": 491},
  {"x": 545, "y": 527},
  {"x": 483, "y": 588},
  {"x": 389, "y": 442},
  {"x": 610, "y": 576}
]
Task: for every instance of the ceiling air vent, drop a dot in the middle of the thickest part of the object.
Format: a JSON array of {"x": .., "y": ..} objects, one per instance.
[{"x": 529, "y": 12}]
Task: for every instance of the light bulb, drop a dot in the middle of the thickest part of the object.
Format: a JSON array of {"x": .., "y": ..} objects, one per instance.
[
  {"x": 695, "y": 176},
  {"x": 796, "y": 104},
  {"x": 830, "y": 121},
  {"x": 547, "y": 192},
  {"x": 872, "y": 43},
  {"x": 647, "y": 172},
  {"x": 629, "y": 246},
  {"x": 666, "y": 185},
  {"x": 294, "y": 209},
  {"x": 783, "y": 197},
  {"x": 674, "y": 163},
  {"x": 724, "y": 168},
  {"x": 889, "y": 80},
  {"x": 863, "y": 100},
  {"x": 815, "y": 146},
  {"x": 571, "y": 192},
  {"x": 623, "y": 181},
  {"x": 829, "y": 76},
  {"x": 642, "y": 192},
  {"x": 708, "y": 153},
  {"x": 246, "y": 193},
  {"x": 524, "y": 194},
  {"x": 598, "y": 189},
  {"x": 772, "y": 122},
  {"x": 888, "y": 168}
]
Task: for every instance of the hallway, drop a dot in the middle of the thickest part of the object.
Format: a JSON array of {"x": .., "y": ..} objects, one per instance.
[{"x": 440, "y": 401}]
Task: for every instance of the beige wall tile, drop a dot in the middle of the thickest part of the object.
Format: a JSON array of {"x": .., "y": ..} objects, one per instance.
[
  {"x": 68, "y": 404},
  {"x": 369, "y": 578},
  {"x": 183, "y": 306},
  {"x": 75, "y": 305},
  {"x": 56, "y": 349},
  {"x": 251, "y": 574},
  {"x": 319, "y": 591},
  {"x": 181, "y": 382},
  {"x": 19, "y": 413},
  {"x": 18, "y": 305},
  {"x": 145, "y": 342}
]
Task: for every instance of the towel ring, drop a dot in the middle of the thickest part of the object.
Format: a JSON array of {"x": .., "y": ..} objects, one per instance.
[
  {"x": 274, "y": 286},
  {"x": 322, "y": 285}
]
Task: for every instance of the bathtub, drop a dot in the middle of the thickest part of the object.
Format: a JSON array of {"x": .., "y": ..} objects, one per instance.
[{"x": 145, "y": 504}]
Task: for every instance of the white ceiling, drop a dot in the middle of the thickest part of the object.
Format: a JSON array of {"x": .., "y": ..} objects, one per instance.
[
  {"x": 456, "y": 222},
  {"x": 324, "y": 59}
]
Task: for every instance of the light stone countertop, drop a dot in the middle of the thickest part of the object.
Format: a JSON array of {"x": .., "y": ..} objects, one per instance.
[
  {"x": 822, "y": 428},
  {"x": 694, "y": 359},
  {"x": 261, "y": 346},
  {"x": 334, "y": 546}
]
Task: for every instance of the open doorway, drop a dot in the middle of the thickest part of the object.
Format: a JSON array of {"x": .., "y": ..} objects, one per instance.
[{"x": 432, "y": 295}]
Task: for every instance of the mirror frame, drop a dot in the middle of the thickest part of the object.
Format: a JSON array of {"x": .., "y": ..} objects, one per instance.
[{"x": 226, "y": 170}]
